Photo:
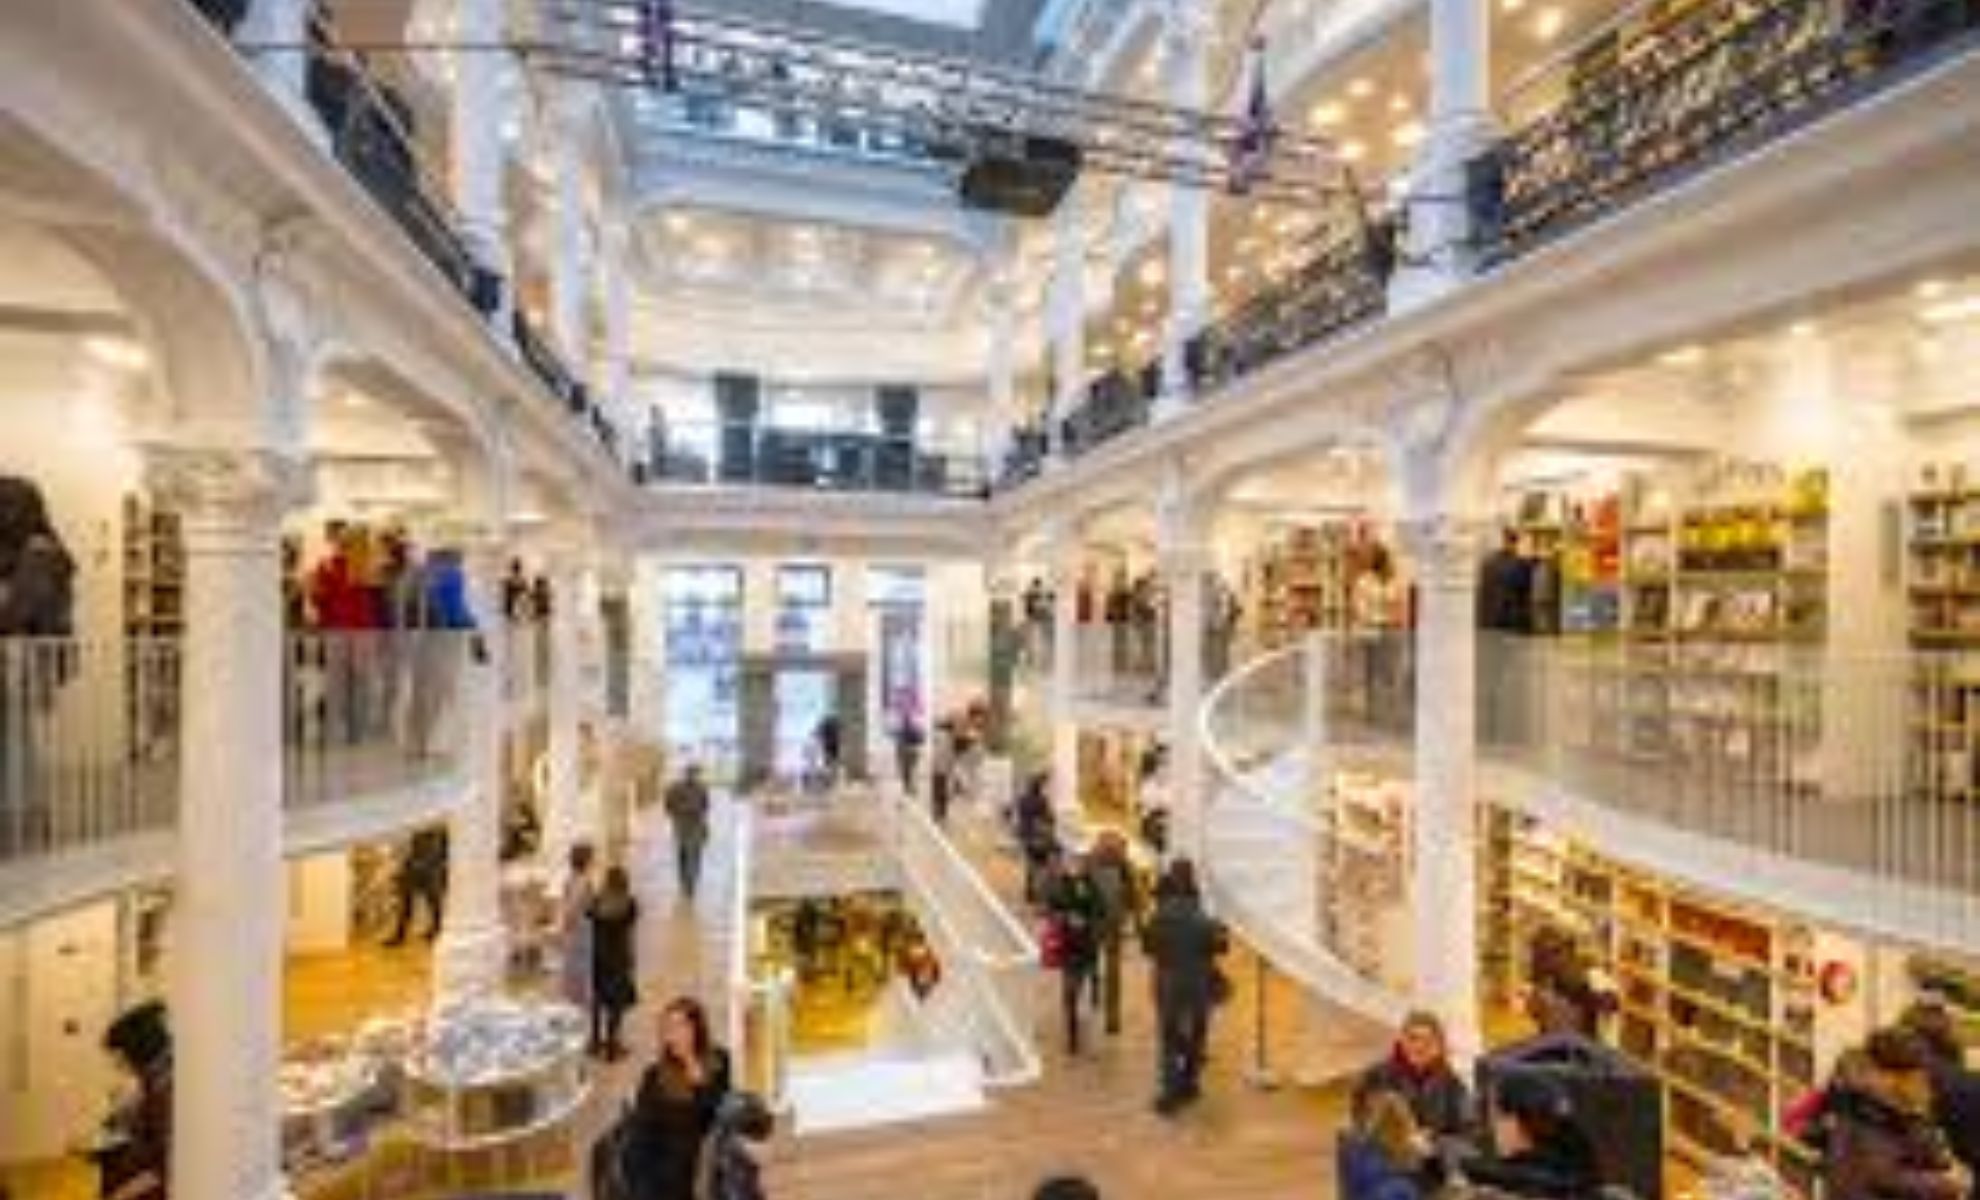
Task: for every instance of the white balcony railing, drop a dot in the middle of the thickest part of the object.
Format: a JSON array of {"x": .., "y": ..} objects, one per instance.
[
  {"x": 1844, "y": 787},
  {"x": 1306, "y": 837},
  {"x": 90, "y": 730}
]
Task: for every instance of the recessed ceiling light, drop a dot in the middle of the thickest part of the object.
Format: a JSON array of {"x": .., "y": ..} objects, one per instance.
[
  {"x": 355, "y": 400},
  {"x": 1802, "y": 329},
  {"x": 1152, "y": 273},
  {"x": 1361, "y": 88},
  {"x": 1326, "y": 113},
  {"x": 1548, "y": 25},
  {"x": 1683, "y": 356},
  {"x": 1953, "y": 310},
  {"x": 1932, "y": 289},
  {"x": 1409, "y": 134},
  {"x": 1511, "y": 6},
  {"x": 677, "y": 223},
  {"x": 1399, "y": 103},
  {"x": 1353, "y": 151},
  {"x": 119, "y": 352}
]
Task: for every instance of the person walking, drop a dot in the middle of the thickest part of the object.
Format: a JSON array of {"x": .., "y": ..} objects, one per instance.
[
  {"x": 1184, "y": 944},
  {"x": 942, "y": 771},
  {"x": 1119, "y": 892},
  {"x": 675, "y": 1107},
  {"x": 687, "y": 812},
  {"x": 614, "y": 915},
  {"x": 422, "y": 880},
  {"x": 909, "y": 737},
  {"x": 574, "y": 929},
  {"x": 1072, "y": 915}
]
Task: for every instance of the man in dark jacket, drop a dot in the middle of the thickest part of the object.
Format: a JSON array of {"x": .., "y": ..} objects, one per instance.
[
  {"x": 1955, "y": 1088},
  {"x": 37, "y": 599},
  {"x": 422, "y": 879},
  {"x": 687, "y": 810},
  {"x": 1505, "y": 611},
  {"x": 1073, "y": 906},
  {"x": 1184, "y": 943}
]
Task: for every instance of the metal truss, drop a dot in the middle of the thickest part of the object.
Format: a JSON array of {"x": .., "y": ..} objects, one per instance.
[{"x": 945, "y": 109}]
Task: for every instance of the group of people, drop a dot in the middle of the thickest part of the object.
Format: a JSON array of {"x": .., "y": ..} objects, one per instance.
[
  {"x": 374, "y": 580},
  {"x": 955, "y": 759},
  {"x": 1414, "y": 1130},
  {"x": 598, "y": 922}
]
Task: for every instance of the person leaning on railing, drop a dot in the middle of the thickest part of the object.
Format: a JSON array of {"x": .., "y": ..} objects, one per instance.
[{"x": 37, "y": 601}]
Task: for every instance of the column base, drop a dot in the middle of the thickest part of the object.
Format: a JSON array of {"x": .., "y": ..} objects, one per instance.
[{"x": 471, "y": 963}]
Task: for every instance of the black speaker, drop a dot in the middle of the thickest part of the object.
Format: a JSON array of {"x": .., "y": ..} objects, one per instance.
[
  {"x": 1615, "y": 1102},
  {"x": 1019, "y": 174},
  {"x": 738, "y": 401}
]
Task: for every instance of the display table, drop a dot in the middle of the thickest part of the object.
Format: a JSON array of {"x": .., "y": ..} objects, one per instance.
[
  {"x": 494, "y": 1072},
  {"x": 331, "y": 1093}
]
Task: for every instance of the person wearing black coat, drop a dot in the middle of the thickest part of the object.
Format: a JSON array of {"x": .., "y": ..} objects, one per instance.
[
  {"x": 37, "y": 599},
  {"x": 614, "y": 916},
  {"x": 1418, "y": 1069},
  {"x": 675, "y": 1108},
  {"x": 1185, "y": 944},
  {"x": 422, "y": 880},
  {"x": 1541, "y": 1151},
  {"x": 1955, "y": 1086},
  {"x": 1880, "y": 1141},
  {"x": 1073, "y": 907}
]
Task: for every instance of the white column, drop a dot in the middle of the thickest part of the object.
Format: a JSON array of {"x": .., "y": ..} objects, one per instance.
[
  {"x": 471, "y": 958},
  {"x": 570, "y": 266},
  {"x": 649, "y": 654},
  {"x": 562, "y": 804},
  {"x": 277, "y": 33},
  {"x": 1068, "y": 317},
  {"x": 1064, "y": 561},
  {"x": 1313, "y": 716},
  {"x": 1444, "y": 816},
  {"x": 1185, "y": 568},
  {"x": 228, "y": 914},
  {"x": 615, "y": 379},
  {"x": 1001, "y": 367},
  {"x": 483, "y": 100},
  {"x": 1186, "y": 46},
  {"x": 1439, "y": 253}
]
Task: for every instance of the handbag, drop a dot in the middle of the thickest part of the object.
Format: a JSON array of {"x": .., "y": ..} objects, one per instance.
[
  {"x": 1052, "y": 945},
  {"x": 1220, "y": 987},
  {"x": 609, "y": 1178}
]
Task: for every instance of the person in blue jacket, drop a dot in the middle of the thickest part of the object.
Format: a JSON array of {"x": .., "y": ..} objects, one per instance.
[{"x": 1382, "y": 1156}]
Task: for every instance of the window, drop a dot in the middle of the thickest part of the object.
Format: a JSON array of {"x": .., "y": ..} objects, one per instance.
[
  {"x": 804, "y": 609},
  {"x": 703, "y": 619}
]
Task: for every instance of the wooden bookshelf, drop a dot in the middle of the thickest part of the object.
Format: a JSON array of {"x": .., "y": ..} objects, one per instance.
[
  {"x": 154, "y": 571},
  {"x": 1942, "y": 583},
  {"x": 1718, "y": 1002}
]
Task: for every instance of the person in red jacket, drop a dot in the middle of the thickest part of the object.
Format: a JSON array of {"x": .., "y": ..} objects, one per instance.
[{"x": 342, "y": 608}]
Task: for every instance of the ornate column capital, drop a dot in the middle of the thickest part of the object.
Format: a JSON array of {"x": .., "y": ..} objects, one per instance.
[
  {"x": 1445, "y": 550},
  {"x": 218, "y": 489}
]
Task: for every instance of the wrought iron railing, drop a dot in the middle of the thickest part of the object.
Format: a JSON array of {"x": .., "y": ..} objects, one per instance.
[
  {"x": 1117, "y": 401},
  {"x": 845, "y": 460},
  {"x": 1342, "y": 285},
  {"x": 1643, "y": 107},
  {"x": 371, "y": 128}
]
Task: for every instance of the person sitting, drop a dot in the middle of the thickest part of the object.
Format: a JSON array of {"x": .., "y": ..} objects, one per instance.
[
  {"x": 1382, "y": 1156},
  {"x": 1955, "y": 1087},
  {"x": 1418, "y": 1069},
  {"x": 1880, "y": 1140},
  {"x": 1540, "y": 1150}
]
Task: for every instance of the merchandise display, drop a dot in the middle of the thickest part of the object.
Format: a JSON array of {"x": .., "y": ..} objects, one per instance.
[
  {"x": 493, "y": 1071},
  {"x": 332, "y": 1092},
  {"x": 1942, "y": 568}
]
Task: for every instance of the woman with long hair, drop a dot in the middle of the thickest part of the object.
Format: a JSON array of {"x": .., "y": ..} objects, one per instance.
[{"x": 678, "y": 1099}]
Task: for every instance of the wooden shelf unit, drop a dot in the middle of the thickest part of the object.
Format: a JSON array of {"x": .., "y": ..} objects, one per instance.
[
  {"x": 1942, "y": 582},
  {"x": 1719, "y": 1003}
]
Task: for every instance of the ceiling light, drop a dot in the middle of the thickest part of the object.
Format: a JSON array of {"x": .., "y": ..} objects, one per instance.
[
  {"x": 1802, "y": 329},
  {"x": 1399, "y": 104},
  {"x": 1409, "y": 134},
  {"x": 1326, "y": 113},
  {"x": 1511, "y": 6},
  {"x": 1234, "y": 274},
  {"x": 1361, "y": 88},
  {"x": 355, "y": 401},
  {"x": 1683, "y": 356},
  {"x": 1353, "y": 151},
  {"x": 1548, "y": 25},
  {"x": 1952, "y": 310},
  {"x": 1152, "y": 273},
  {"x": 1931, "y": 289},
  {"x": 119, "y": 352},
  {"x": 677, "y": 223}
]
